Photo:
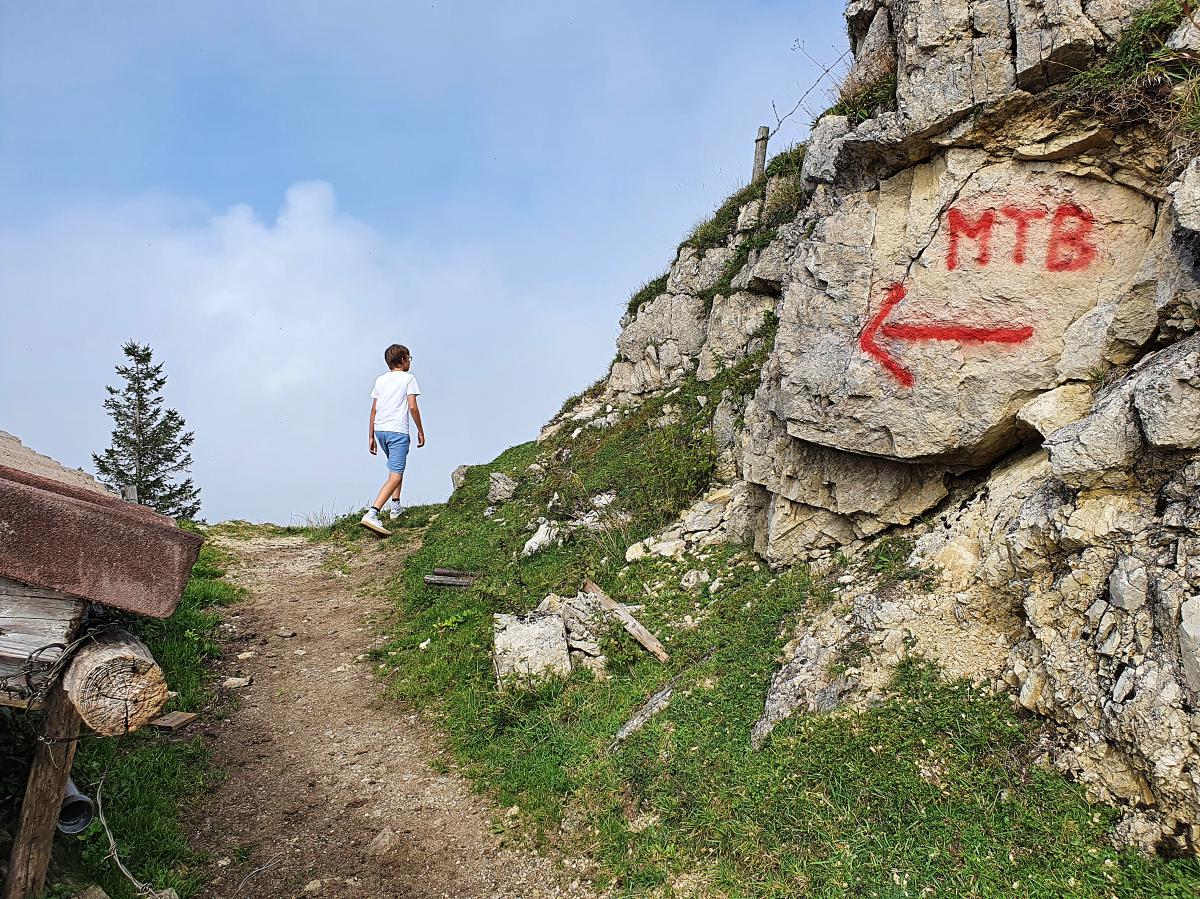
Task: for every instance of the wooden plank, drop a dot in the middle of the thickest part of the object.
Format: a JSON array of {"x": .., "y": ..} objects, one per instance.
[
  {"x": 174, "y": 720},
  {"x": 9, "y": 587},
  {"x": 634, "y": 627},
  {"x": 34, "y": 613},
  {"x": 12, "y": 701},
  {"x": 30, "y": 856},
  {"x": 652, "y": 707},
  {"x": 34, "y": 623},
  {"x": 456, "y": 583},
  {"x": 454, "y": 572}
]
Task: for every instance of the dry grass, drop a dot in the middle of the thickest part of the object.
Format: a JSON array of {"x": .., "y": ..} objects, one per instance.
[
  {"x": 1141, "y": 82},
  {"x": 868, "y": 89}
]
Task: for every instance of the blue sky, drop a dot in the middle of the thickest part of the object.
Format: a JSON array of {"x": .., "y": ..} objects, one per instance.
[{"x": 271, "y": 193}]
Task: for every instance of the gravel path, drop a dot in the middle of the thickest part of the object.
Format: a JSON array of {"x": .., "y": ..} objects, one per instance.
[{"x": 329, "y": 790}]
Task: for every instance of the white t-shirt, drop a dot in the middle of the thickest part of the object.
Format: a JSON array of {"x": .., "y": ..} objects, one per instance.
[{"x": 391, "y": 393}]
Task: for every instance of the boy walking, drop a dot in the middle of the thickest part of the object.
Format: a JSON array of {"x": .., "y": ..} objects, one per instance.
[{"x": 393, "y": 403}]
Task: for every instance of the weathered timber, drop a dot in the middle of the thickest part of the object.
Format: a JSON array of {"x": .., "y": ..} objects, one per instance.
[
  {"x": 456, "y": 583},
  {"x": 760, "y": 152},
  {"x": 35, "y": 624},
  {"x": 174, "y": 720},
  {"x": 454, "y": 572},
  {"x": 649, "y": 709},
  {"x": 115, "y": 683},
  {"x": 30, "y": 856},
  {"x": 92, "y": 545},
  {"x": 632, "y": 626}
]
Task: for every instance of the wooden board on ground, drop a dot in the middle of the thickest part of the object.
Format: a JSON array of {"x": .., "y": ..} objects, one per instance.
[
  {"x": 174, "y": 720},
  {"x": 634, "y": 627},
  {"x": 452, "y": 578}
]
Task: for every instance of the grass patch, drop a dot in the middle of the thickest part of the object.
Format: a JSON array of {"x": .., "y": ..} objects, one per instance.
[
  {"x": 787, "y": 195},
  {"x": 931, "y": 792},
  {"x": 719, "y": 227},
  {"x": 889, "y": 559},
  {"x": 867, "y": 101},
  {"x": 593, "y": 390},
  {"x": 1141, "y": 81},
  {"x": 148, "y": 775},
  {"x": 870, "y": 90},
  {"x": 653, "y": 288}
]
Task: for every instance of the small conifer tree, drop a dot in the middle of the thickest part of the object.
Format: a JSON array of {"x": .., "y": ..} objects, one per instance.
[{"x": 149, "y": 445}]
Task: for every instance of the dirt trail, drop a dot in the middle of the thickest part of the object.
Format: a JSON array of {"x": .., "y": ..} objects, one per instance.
[{"x": 319, "y": 764}]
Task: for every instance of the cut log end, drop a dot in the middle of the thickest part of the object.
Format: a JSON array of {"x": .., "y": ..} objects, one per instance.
[{"x": 115, "y": 683}]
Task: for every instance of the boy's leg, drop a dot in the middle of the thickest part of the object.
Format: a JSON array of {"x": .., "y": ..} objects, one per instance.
[
  {"x": 371, "y": 519},
  {"x": 390, "y": 486},
  {"x": 400, "y": 451}
]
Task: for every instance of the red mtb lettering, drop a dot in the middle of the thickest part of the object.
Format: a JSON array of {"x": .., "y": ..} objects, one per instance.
[
  {"x": 1070, "y": 244},
  {"x": 877, "y": 327}
]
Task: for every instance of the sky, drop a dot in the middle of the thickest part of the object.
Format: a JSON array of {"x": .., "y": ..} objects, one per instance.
[{"x": 270, "y": 193}]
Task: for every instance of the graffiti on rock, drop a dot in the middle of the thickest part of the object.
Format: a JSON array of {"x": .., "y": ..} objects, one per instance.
[
  {"x": 1062, "y": 239},
  {"x": 879, "y": 326},
  {"x": 1069, "y": 244}
]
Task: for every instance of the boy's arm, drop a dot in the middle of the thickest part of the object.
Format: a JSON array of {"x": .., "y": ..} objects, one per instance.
[
  {"x": 416, "y": 416},
  {"x": 371, "y": 445}
]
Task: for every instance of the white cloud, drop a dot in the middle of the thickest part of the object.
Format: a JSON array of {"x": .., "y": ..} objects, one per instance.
[{"x": 272, "y": 331}]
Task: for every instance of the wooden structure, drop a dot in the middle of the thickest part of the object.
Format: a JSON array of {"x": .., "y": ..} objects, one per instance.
[
  {"x": 760, "y": 152},
  {"x": 632, "y": 626},
  {"x": 452, "y": 578},
  {"x": 68, "y": 548}
]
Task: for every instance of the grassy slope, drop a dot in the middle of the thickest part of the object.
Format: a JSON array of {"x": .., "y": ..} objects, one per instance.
[
  {"x": 148, "y": 775},
  {"x": 832, "y": 806}
]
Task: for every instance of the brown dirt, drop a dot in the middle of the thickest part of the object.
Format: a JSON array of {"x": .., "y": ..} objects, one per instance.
[{"x": 319, "y": 763}]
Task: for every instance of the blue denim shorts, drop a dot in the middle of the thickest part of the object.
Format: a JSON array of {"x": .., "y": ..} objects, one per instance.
[{"x": 394, "y": 446}]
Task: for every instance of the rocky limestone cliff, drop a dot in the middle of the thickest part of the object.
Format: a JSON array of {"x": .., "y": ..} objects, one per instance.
[{"x": 978, "y": 316}]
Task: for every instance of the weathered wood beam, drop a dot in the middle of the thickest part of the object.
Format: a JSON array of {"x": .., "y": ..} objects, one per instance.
[
  {"x": 35, "y": 623},
  {"x": 114, "y": 683},
  {"x": 455, "y": 583},
  {"x": 632, "y": 626},
  {"x": 30, "y": 856}
]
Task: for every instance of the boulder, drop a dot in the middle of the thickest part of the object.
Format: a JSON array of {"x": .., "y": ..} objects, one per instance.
[
  {"x": 913, "y": 339},
  {"x": 501, "y": 488},
  {"x": 529, "y": 647},
  {"x": 731, "y": 325},
  {"x": 821, "y": 153},
  {"x": 661, "y": 345},
  {"x": 547, "y": 533}
]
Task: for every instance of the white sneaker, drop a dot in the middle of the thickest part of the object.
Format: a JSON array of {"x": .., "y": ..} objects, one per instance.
[
  {"x": 371, "y": 522},
  {"x": 395, "y": 508}
]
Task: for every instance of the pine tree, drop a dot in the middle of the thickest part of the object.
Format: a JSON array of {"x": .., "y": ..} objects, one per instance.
[{"x": 149, "y": 446}]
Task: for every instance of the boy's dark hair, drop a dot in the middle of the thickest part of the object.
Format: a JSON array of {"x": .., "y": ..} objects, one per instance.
[{"x": 395, "y": 355}]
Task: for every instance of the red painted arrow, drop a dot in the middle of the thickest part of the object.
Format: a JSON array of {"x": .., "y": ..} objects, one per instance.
[{"x": 961, "y": 333}]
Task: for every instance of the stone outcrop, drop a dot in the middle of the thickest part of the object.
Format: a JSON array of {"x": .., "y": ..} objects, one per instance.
[
  {"x": 530, "y": 647},
  {"x": 982, "y": 336}
]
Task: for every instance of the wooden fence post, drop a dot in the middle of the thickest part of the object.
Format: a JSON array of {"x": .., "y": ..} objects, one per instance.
[
  {"x": 30, "y": 857},
  {"x": 760, "y": 152}
]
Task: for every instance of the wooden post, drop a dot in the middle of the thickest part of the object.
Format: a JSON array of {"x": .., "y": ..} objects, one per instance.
[
  {"x": 43, "y": 798},
  {"x": 760, "y": 152}
]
